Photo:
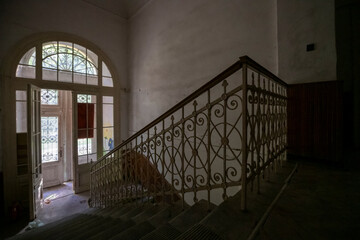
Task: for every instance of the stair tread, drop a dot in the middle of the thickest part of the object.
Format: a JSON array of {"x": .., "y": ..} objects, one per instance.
[
  {"x": 152, "y": 210},
  {"x": 161, "y": 221},
  {"x": 122, "y": 210},
  {"x": 78, "y": 228},
  {"x": 53, "y": 227},
  {"x": 50, "y": 226},
  {"x": 113, "y": 230},
  {"x": 134, "y": 212},
  {"x": 164, "y": 232},
  {"x": 104, "y": 224},
  {"x": 230, "y": 222},
  {"x": 199, "y": 232},
  {"x": 165, "y": 215},
  {"x": 192, "y": 215},
  {"x": 135, "y": 232}
]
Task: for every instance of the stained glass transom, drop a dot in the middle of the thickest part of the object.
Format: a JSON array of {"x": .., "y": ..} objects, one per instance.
[
  {"x": 83, "y": 98},
  {"x": 49, "y": 139},
  {"x": 49, "y": 97},
  {"x": 65, "y": 62},
  {"x": 67, "y": 58}
]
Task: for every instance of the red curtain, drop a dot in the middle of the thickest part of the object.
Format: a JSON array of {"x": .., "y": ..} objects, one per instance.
[{"x": 86, "y": 120}]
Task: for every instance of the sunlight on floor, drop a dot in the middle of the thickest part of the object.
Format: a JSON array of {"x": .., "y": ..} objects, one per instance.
[
  {"x": 51, "y": 197},
  {"x": 60, "y": 201}
]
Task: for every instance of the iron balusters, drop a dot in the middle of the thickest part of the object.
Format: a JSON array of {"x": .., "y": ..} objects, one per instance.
[{"x": 209, "y": 146}]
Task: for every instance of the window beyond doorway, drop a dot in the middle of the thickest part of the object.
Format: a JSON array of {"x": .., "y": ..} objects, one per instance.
[
  {"x": 50, "y": 128},
  {"x": 49, "y": 138}
]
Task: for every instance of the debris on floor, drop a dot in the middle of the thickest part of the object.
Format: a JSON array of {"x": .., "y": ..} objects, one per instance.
[{"x": 34, "y": 224}]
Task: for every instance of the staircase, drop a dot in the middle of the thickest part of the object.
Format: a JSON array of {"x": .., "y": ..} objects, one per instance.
[
  {"x": 158, "y": 221},
  {"x": 208, "y": 168}
]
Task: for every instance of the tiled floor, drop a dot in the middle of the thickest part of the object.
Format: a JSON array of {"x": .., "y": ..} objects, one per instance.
[
  {"x": 60, "y": 201},
  {"x": 321, "y": 202}
]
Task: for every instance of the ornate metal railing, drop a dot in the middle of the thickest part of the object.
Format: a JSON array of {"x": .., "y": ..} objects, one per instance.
[{"x": 209, "y": 146}]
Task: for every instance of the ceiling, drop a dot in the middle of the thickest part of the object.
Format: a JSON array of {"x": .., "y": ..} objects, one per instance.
[{"x": 122, "y": 8}]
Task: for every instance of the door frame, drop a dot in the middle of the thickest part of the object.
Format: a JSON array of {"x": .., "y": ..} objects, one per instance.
[
  {"x": 79, "y": 169},
  {"x": 59, "y": 111},
  {"x": 60, "y": 162},
  {"x": 13, "y": 182},
  {"x": 34, "y": 149}
]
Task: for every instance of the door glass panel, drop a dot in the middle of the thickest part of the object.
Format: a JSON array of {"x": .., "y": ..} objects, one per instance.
[
  {"x": 108, "y": 123},
  {"x": 86, "y": 125},
  {"x": 108, "y": 140},
  {"x": 49, "y": 97},
  {"x": 108, "y": 119},
  {"x": 84, "y": 146},
  {"x": 21, "y": 112},
  {"x": 49, "y": 139}
]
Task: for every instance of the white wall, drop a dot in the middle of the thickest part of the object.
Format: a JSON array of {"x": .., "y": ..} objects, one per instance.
[
  {"x": 177, "y": 46},
  {"x": 21, "y": 18},
  {"x": 300, "y": 23}
]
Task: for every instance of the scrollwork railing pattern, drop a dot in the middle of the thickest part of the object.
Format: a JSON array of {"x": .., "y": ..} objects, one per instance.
[{"x": 209, "y": 146}]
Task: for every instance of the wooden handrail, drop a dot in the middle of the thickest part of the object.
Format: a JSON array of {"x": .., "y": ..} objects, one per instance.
[{"x": 258, "y": 67}]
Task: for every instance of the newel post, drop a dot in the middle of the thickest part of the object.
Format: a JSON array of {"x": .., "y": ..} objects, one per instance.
[{"x": 244, "y": 139}]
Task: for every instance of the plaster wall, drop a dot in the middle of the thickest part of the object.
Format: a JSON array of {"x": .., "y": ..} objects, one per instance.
[
  {"x": 301, "y": 23},
  {"x": 177, "y": 46},
  {"x": 108, "y": 31}
]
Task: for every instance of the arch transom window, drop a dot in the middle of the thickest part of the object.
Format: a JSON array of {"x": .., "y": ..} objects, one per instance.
[{"x": 65, "y": 62}]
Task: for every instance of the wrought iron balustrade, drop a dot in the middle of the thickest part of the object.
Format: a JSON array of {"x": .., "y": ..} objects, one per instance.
[{"x": 209, "y": 146}]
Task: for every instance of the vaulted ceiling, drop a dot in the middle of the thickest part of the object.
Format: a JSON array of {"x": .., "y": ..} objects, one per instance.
[{"x": 123, "y": 8}]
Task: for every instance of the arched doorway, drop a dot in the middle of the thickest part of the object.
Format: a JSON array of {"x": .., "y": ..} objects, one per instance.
[{"x": 78, "y": 119}]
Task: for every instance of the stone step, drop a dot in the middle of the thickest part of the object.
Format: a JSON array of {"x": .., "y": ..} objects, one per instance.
[
  {"x": 134, "y": 232},
  {"x": 122, "y": 210},
  {"x": 78, "y": 227},
  {"x": 103, "y": 224},
  {"x": 133, "y": 212},
  {"x": 165, "y": 215},
  {"x": 192, "y": 215},
  {"x": 51, "y": 227},
  {"x": 228, "y": 221},
  {"x": 113, "y": 230},
  {"x": 199, "y": 232},
  {"x": 149, "y": 221},
  {"x": 164, "y": 232},
  {"x": 180, "y": 223},
  {"x": 148, "y": 212},
  {"x": 106, "y": 211}
]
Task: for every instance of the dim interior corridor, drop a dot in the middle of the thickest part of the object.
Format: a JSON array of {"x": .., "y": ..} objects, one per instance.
[
  {"x": 60, "y": 201},
  {"x": 321, "y": 202}
]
